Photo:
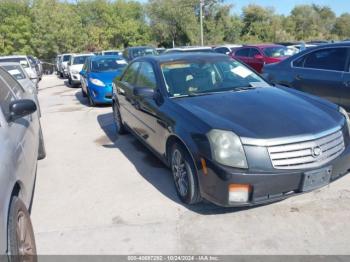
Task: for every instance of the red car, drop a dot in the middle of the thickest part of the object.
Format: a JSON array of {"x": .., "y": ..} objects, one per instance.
[{"x": 256, "y": 56}]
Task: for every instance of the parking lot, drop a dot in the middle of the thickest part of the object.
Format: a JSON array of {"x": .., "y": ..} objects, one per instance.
[{"x": 97, "y": 193}]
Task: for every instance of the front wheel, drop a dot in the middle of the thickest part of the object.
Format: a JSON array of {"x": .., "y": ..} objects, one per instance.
[
  {"x": 90, "y": 100},
  {"x": 185, "y": 175},
  {"x": 20, "y": 235}
]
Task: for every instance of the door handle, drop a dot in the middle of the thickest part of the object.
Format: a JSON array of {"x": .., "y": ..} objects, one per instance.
[
  {"x": 346, "y": 83},
  {"x": 298, "y": 77}
]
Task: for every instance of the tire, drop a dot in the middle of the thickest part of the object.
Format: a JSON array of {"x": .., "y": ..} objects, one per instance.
[
  {"x": 83, "y": 92},
  {"x": 90, "y": 100},
  {"x": 118, "y": 120},
  {"x": 20, "y": 235},
  {"x": 185, "y": 175},
  {"x": 70, "y": 81},
  {"x": 61, "y": 75},
  {"x": 42, "y": 149}
]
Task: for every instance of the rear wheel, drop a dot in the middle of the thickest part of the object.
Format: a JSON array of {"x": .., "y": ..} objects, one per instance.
[
  {"x": 20, "y": 235},
  {"x": 118, "y": 120},
  {"x": 42, "y": 149},
  {"x": 185, "y": 175}
]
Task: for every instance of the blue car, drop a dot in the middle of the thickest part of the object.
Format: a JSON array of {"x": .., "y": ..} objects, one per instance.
[{"x": 97, "y": 76}]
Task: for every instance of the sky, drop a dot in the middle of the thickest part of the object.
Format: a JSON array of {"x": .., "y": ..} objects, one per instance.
[{"x": 285, "y": 6}]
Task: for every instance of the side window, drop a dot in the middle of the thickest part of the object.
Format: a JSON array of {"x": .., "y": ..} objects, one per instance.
[
  {"x": 327, "y": 59},
  {"x": 146, "y": 76},
  {"x": 130, "y": 73},
  {"x": 14, "y": 85},
  {"x": 6, "y": 97},
  {"x": 253, "y": 52},
  {"x": 242, "y": 52}
]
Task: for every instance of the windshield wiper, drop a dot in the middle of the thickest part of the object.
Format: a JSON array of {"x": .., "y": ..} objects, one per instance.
[{"x": 243, "y": 88}]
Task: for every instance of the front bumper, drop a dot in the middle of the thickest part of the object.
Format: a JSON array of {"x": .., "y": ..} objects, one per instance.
[
  {"x": 75, "y": 78},
  {"x": 266, "y": 186},
  {"x": 101, "y": 95}
]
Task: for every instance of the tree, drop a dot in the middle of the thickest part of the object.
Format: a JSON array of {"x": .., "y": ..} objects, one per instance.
[{"x": 342, "y": 26}]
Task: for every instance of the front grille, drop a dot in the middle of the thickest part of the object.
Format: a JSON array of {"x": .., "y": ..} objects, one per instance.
[{"x": 307, "y": 154}]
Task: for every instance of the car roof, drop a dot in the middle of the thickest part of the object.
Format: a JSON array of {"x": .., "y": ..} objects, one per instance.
[
  {"x": 13, "y": 56},
  {"x": 190, "y": 48},
  {"x": 173, "y": 57},
  {"x": 10, "y": 63},
  {"x": 90, "y": 54},
  {"x": 137, "y": 47},
  {"x": 263, "y": 45},
  {"x": 96, "y": 57}
]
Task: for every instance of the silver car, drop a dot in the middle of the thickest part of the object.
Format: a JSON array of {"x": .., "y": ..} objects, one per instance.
[
  {"x": 22, "y": 144},
  {"x": 26, "y": 64},
  {"x": 18, "y": 72}
]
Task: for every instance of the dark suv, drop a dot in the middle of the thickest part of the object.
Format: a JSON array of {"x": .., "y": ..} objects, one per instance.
[{"x": 132, "y": 52}]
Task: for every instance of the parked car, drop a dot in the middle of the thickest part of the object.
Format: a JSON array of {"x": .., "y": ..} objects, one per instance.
[
  {"x": 25, "y": 63},
  {"x": 226, "y": 49},
  {"x": 63, "y": 66},
  {"x": 192, "y": 49},
  {"x": 35, "y": 62},
  {"x": 22, "y": 145},
  {"x": 18, "y": 73},
  {"x": 227, "y": 135},
  {"x": 97, "y": 75},
  {"x": 75, "y": 65},
  {"x": 111, "y": 52},
  {"x": 322, "y": 71},
  {"x": 160, "y": 50},
  {"x": 132, "y": 52},
  {"x": 57, "y": 62},
  {"x": 256, "y": 56}
]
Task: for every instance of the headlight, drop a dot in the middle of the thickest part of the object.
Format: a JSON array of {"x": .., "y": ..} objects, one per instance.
[
  {"x": 345, "y": 114},
  {"x": 227, "y": 149},
  {"x": 75, "y": 72},
  {"x": 97, "y": 82}
]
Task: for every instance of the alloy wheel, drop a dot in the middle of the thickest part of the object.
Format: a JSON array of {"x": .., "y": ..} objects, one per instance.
[{"x": 180, "y": 173}]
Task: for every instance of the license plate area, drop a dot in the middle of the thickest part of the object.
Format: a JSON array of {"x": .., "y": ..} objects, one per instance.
[{"x": 316, "y": 178}]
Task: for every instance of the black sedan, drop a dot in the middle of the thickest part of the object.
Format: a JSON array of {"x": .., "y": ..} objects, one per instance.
[
  {"x": 226, "y": 134},
  {"x": 323, "y": 71}
]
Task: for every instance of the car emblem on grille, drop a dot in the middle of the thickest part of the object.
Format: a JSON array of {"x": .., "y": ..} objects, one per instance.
[{"x": 316, "y": 151}]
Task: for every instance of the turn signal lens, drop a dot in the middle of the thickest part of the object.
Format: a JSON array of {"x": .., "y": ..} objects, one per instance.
[{"x": 239, "y": 193}]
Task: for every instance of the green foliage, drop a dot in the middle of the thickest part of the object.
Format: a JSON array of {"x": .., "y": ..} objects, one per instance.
[{"x": 48, "y": 27}]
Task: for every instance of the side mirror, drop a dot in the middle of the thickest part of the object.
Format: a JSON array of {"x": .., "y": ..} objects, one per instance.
[
  {"x": 143, "y": 91},
  {"x": 21, "y": 108},
  {"x": 259, "y": 57}
]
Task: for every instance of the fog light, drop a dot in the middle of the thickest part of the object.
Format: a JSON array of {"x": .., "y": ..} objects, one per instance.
[{"x": 239, "y": 193}]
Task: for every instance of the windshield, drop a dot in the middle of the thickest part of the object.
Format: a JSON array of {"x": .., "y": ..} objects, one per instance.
[
  {"x": 19, "y": 60},
  {"x": 66, "y": 58},
  {"x": 190, "y": 78},
  {"x": 278, "y": 51},
  {"x": 79, "y": 60},
  {"x": 143, "y": 52},
  {"x": 107, "y": 64},
  {"x": 15, "y": 71}
]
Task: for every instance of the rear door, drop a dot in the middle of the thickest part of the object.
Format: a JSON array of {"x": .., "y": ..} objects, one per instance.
[
  {"x": 242, "y": 55},
  {"x": 256, "y": 63},
  {"x": 320, "y": 72}
]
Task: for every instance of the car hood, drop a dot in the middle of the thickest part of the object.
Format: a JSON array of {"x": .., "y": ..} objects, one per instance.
[
  {"x": 263, "y": 113},
  {"x": 76, "y": 67},
  {"x": 106, "y": 77}
]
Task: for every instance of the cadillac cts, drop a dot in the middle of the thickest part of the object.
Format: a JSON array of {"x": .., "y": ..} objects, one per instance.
[{"x": 227, "y": 135}]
